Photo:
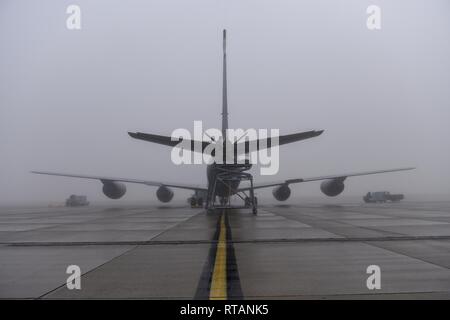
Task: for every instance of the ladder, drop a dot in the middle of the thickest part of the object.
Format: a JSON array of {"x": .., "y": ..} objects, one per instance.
[{"x": 227, "y": 176}]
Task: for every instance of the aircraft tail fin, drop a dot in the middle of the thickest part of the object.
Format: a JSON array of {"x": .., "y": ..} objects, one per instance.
[{"x": 224, "y": 87}]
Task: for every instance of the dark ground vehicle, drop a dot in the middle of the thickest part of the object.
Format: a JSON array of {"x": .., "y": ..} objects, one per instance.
[
  {"x": 76, "y": 201},
  {"x": 382, "y": 196}
]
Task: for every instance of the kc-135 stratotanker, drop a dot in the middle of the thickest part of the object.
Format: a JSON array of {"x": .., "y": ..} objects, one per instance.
[{"x": 224, "y": 179}]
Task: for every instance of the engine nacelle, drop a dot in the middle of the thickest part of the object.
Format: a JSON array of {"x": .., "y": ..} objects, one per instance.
[
  {"x": 332, "y": 187},
  {"x": 164, "y": 194},
  {"x": 113, "y": 189},
  {"x": 282, "y": 193}
]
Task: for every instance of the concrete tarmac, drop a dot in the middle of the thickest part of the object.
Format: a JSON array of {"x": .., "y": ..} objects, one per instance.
[{"x": 296, "y": 251}]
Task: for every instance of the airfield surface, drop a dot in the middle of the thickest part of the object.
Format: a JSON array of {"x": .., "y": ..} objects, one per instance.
[{"x": 295, "y": 251}]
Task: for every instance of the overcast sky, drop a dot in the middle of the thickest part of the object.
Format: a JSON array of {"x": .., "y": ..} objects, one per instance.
[{"x": 68, "y": 98}]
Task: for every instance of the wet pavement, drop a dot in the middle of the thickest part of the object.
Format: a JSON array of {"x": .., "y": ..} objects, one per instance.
[{"x": 304, "y": 251}]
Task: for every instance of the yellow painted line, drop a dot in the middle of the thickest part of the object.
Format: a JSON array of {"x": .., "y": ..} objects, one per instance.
[{"x": 218, "y": 289}]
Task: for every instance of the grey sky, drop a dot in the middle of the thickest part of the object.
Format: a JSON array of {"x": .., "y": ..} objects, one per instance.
[{"x": 67, "y": 98}]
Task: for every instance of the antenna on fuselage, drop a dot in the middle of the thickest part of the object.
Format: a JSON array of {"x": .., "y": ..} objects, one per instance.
[{"x": 224, "y": 87}]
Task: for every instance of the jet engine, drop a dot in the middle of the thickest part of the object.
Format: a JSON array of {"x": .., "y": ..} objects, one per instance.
[
  {"x": 164, "y": 194},
  {"x": 282, "y": 192},
  {"x": 113, "y": 189},
  {"x": 332, "y": 187}
]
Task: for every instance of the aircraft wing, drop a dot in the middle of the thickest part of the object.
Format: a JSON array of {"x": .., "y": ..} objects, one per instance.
[
  {"x": 146, "y": 182},
  {"x": 336, "y": 176}
]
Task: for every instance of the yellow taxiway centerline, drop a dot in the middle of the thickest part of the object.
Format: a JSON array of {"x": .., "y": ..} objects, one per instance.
[{"x": 218, "y": 289}]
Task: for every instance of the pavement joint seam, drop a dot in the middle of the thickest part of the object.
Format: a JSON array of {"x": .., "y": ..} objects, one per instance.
[{"x": 106, "y": 262}]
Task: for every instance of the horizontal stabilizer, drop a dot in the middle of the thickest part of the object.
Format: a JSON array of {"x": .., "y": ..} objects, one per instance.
[
  {"x": 193, "y": 145},
  {"x": 267, "y": 143},
  {"x": 168, "y": 141}
]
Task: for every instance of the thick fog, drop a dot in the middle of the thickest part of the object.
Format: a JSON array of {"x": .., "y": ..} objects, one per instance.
[{"x": 68, "y": 97}]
